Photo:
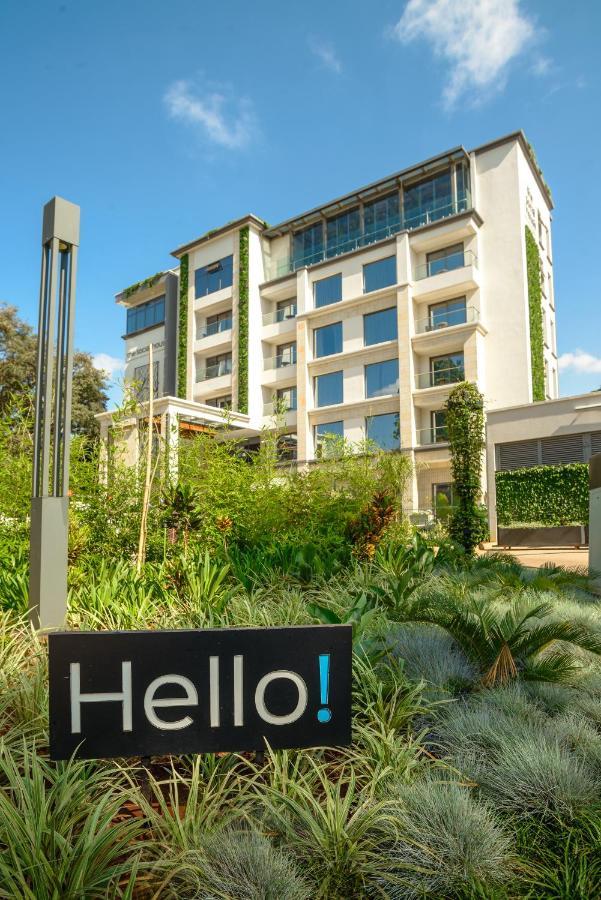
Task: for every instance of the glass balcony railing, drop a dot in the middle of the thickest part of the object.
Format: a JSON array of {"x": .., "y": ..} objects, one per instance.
[
  {"x": 269, "y": 409},
  {"x": 280, "y": 362},
  {"x": 446, "y": 264},
  {"x": 438, "y": 320},
  {"x": 439, "y": 434},
  {"x": 437, "y": 377},
  {"x": 215, "y": 328},
  {"x": 214, "y": 371},
  {"x": 412, "y": 218},
  {"x": 280, "y": 315}
]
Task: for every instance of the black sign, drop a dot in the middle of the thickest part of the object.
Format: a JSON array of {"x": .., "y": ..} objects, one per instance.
[{"x": 147, "y": 693}]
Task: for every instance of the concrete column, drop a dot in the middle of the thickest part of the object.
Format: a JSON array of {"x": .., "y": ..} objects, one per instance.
[
  {"x": 406, "y": 363},
  {"x": 594, "y": 537}
]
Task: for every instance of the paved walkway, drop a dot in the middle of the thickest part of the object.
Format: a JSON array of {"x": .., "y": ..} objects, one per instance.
[{"x": 561, "y": 557}]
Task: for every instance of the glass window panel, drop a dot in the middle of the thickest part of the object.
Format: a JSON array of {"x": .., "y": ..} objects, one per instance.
[
  {"x": 327, "y": 431},
  {"x": 342, "y": 232},
  {"x": 329, "y": 389},
  {"x": 445, "y": 260},
  {"x": 142, "y": 381},
  {"x": 382, "y": 378},
  {"x": 286, "y": 355},
  {"x": 307, "y": 246},
  {"x": 285, "y": 309},
  {"x": 384, "y": 430},
  {"x": 287, "y": 397},
  {"x": 146, "y": 315},
  {"x": 327, "y": 340},
  {"x": 380, "y": 326},
  {"x": 443, "y": 499},
  {"x": 381, "y": 217},
  {"x": 327, "y": 290},
  {"x": 214, "y": 277},
  {"x": 439, "y": 425},
  {"x": 379, "y": 274},
  {"x": 451, "y": 312},
  {"x": 287, "y": 447},
  {"x": 428, "y": 200},
  {"x": 447, "y": 369}
]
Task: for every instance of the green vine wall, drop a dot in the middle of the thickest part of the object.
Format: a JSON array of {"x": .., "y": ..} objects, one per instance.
[
  {"x": 465, "y": 424},
  {"x": 243, "y": 322},
  {"x": 182, "y": 332},
  {"x": 545, "y": 495},
  {"x": 537, "y": 353}
]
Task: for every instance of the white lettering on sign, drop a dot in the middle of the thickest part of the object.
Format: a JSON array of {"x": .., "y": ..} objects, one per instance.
[
  {"x": 77, "y": 698},
  {"x": 238, "y": 696},
  {"x": 298, "y": 710},
  {"x": 150, "y": 702},
  {"x": 214, "y": 690}
]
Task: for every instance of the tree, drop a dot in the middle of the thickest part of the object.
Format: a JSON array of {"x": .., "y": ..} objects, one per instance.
[
  {"x": 465, "y": 425},
  {"x": 18, "y": 350}
]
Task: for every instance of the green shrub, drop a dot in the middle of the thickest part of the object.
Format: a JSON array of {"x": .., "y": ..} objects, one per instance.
[
  {"x": 537, "y": 353},
  {"x": 551, "y": 495},
  {"x": 448, "y": 842},
  {"x": 465, "y": 424}
]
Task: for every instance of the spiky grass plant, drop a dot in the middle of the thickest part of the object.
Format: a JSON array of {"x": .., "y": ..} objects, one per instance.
[
  {"x": 431, "y": 655},
  {"x": 60, "y": 835},
  {"x": 235, "y": 865},
  {"x": 448, "y": 843}
]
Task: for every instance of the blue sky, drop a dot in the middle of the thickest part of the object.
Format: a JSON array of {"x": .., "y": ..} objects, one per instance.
[{"x": 165, "y": 119}]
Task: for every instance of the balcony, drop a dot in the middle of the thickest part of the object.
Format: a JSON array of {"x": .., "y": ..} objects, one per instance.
[
  {"x": 437, "y": 435},
  {"x": 284, "y": 314},
  {"x": 439, "y": 377},
  {"x": 282, "y": 361},
  {"x": 277, "y": 408},
  {"x": 436, "y": 321},
  {"x": 446, "y": 264},
  {"x": 413, "y": 218},
  {"x": 214, "y": 371},
  {"x": 215, "y": 328}
]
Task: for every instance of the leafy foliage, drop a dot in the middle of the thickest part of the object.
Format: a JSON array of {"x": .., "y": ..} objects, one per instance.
[
  {"x": 537, "y": 353},
  {"x": 182, "y": 327},
  {"x": 243, "y": 322},
  {"x": 465, "y": 424},
  {"x": 551, "y": 495}
]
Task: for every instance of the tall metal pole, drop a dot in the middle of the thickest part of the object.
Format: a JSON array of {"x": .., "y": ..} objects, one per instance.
[{"x": 48, "y": 541}]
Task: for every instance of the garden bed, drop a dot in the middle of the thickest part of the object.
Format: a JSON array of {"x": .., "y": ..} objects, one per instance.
[{"x": 543, "y": 536}]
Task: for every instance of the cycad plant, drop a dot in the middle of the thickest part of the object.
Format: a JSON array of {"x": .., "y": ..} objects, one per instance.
[
  {"x": 520, "y": 640},
  {"x": 181, "y": 511}
]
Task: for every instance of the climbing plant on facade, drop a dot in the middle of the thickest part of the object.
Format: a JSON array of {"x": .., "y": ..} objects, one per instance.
[
  {"x": 535, "y": 307},
  {"x": 182, "y": 335},
  {"x": 465, "y": 425},
  {"x": 243, "y": 322}
]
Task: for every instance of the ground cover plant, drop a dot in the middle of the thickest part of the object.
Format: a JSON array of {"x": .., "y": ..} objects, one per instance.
[{"x": 475, "y": 768}]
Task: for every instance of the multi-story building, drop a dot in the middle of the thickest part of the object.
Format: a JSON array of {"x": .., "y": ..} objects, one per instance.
[{"x": 358, "y": 316}]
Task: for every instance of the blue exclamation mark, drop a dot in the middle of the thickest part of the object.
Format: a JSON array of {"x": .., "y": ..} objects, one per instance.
[{"x": 324, "y": 714}]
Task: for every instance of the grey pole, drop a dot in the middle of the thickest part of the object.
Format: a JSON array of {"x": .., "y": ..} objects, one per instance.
[
  {"x": 48, "y": 540},
  {"x": 594, "y": 521}
]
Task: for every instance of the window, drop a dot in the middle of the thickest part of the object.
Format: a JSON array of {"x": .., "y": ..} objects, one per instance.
[
  {"x": 285, "y": 398},
  {"x": 384, "y": 430},
  {"x": 326, "y": 433},
  {"x": 382, "y": 378},
  {"x": 380, "y": 326},
  {"x": 142, "y": 381},
  {"x": 428, "y": 200},
  {"x": 327, "y": 290},
  {"x": 443, "y": 315},
  {"x": 342, "y": 232},
  {"x": 214, "y": 277},
  {"x": 381, "y": 217},
  {"x": 285, "y": 309},
  {"x": 446, "y": 369},
  {"x": 307, "y": 246},
  {"x": 287, "y": 447},
  {"x": 327, "y": 340},
  {"x": 218, "y": 323},
  {"x": 443, "y": 499},
  {"x": 445, "y": 260},
  {"x": 285, "y": 355},
  {"x": 462, "y": 174},
  {"x": 328, "y": 389},
  {"x": 146, "y": 315},
  {"x": 439, "y": 426},
  {"x": 216, "y": 366},
  {"x": 224, "y": 402},
  {"x": 379, "y": 274}
]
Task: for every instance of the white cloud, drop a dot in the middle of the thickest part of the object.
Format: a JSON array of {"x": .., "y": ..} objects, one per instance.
[
  {"x": 109, "y": 364},
  {"x": 326, "y": 54},
  {"x": 224, "y": 119},
  {"x": 581, "y": 362},
  {"x": 542, "y": 66},
  {"x": 477, "y": 38}
]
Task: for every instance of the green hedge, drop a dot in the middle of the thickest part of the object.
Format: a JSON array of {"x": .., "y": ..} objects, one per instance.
[
  {"x": 182, "y": 326},
  {"x": 243, "y": 323},
  {"x": 549, "y": 495},
  {"x": 537, "y": 352}
]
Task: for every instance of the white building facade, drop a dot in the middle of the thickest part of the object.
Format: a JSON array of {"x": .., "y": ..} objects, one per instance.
[{"x": 359, "y": 316}]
